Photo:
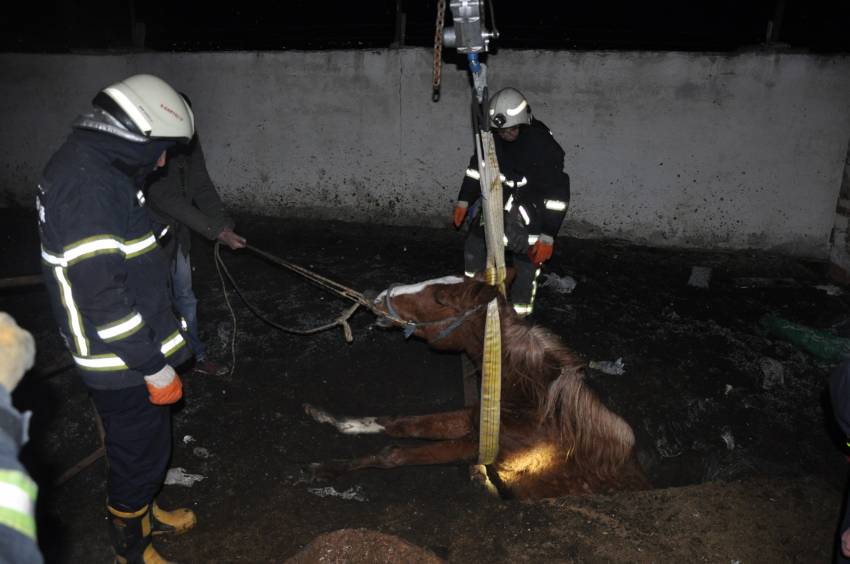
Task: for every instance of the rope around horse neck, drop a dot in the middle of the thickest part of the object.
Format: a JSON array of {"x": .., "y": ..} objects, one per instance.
[{"x": 334, "y": 287}]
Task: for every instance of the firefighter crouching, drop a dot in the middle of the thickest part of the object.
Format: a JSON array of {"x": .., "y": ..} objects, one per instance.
[
  {"x": 108, "y": 286},
  {"x": 536, "y": 191}
]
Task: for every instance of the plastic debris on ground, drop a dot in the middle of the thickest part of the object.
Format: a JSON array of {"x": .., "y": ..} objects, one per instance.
[
  {"x": 766, "y": 283},
  {"x": 179, "y": 477},
  {"x": 822, "y": 344},
  {"x": 830, "y": 289},
  {"x": 560, "y": 284},
  {"x": 188, "y": 439},
  {"x": 728, "y": 438},
  {"x": 700, "y": 276},
  {"x": 774, "y": 373},
  {"x": 355, "y": 493},
  {"x": 615, "y": 367}
]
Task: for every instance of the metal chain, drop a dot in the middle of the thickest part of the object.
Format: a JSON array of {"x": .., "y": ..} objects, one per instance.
[{"x": 438, "y": 50}]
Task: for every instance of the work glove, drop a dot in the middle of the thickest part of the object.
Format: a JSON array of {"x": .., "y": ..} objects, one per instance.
[
  {"x": 460, "y": 213},
  {"x": 542, "y": 250},
  {"x": 164, "y": 387},
  {"x": 231, "y": 239},
  {"x": 17, "y": 352}
]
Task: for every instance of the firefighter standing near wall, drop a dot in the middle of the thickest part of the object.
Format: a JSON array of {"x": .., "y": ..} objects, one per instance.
[
  {"x": 107, "y": 281},
  {"x": 536, "y": 192},
  {"x": 181, "y": 198}
]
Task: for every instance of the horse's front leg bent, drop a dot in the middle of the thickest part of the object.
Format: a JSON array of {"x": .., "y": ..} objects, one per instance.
[
  {"x": 447, "y": 425},
  {"x": 442, "y": 452}
]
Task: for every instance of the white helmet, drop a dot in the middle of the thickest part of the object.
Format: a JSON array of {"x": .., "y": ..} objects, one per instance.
[
  {"x": 508, "y": 108},
  {"x": 148, "y": 106}
]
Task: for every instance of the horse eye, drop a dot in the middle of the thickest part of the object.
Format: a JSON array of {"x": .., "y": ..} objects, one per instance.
[{"x": 439, "y": 298}]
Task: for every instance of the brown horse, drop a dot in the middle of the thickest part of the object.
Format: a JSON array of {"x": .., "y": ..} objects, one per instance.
[{"x": 557, "y": 438}]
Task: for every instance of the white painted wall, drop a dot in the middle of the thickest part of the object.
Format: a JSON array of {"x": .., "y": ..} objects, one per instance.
[{"x": 737, "y": 151}]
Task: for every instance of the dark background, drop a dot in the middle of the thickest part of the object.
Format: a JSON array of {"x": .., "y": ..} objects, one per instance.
[{"x": 721, "y": 25}]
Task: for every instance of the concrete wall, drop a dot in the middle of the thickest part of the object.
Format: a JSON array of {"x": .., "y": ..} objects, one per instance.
[{"x": 663, "y": 148}]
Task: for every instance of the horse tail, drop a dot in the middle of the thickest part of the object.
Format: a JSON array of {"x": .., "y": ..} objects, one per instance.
[{"x": 599, "y": 441}]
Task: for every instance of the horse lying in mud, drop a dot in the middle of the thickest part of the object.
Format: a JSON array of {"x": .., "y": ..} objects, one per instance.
[{"x": 556, "y": 438}]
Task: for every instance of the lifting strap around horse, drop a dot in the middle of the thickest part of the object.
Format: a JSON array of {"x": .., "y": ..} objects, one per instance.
[
  {"x": 491, "y": 387},
  {"x": 492, "y": 209}
]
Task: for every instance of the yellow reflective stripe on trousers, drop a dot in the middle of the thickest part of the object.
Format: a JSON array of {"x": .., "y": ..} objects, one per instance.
[
  {"x": 98, "y": 245},
  {"x": 122, "y": 328},
  {"x": 555, "y": 205},
  {"x": 491, "y": 387},
  {"x": 523, "y": 309},
  {"x": 17, "y": 502},
  {"x": 534, "y": 289},
  {"x": 75, "y": 322}
]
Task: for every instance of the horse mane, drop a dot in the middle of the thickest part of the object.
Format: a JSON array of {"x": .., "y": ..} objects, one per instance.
[{"x": 541, "y": 364}]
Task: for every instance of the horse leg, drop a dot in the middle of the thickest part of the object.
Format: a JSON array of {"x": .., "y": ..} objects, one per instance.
[
  {"x": 447, "y": 425},
  {"x": 442, "y": 452}
]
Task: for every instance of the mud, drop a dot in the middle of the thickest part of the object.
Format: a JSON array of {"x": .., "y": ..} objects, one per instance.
[{"x": 733, "y": 426}]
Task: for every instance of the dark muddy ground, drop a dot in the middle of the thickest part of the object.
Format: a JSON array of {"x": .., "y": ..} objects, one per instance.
[{"x": 732, "y": 425}]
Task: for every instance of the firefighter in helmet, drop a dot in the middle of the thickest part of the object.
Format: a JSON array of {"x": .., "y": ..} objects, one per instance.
[{"x": 536, "y": 194}]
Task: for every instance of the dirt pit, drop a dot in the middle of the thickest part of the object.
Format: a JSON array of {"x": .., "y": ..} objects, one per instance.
[{"x": 733, "y": 425}]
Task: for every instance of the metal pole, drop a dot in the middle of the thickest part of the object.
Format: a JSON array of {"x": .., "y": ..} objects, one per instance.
[
  {"x": 774, "y": 26},
  {"x": 400, "y": 24}
]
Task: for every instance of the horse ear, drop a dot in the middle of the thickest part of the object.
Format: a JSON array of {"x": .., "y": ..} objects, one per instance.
[{"x": 446, "y": 297}]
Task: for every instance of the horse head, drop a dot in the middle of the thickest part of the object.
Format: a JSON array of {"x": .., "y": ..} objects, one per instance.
[{"x": 439, "y": 310}]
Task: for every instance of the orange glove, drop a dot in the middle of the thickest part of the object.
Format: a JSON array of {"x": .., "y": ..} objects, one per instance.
[
  {"x": 541, "y": 251},
  {"x": 164, "y": 387},
  {"x": 460, "y": 213}
]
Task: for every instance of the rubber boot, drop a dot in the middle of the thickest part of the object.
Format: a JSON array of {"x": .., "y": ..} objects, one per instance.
[
  {"x": 174, "y": 522},
  {"x": 131, "y": 537}
]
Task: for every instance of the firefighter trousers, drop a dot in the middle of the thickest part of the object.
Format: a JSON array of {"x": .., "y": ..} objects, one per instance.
[
  {"x": 138, "y": 445},
  {"x": 524, "y": 288}
]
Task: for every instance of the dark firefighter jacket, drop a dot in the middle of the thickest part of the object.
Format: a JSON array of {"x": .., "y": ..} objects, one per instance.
[
  {"x": 107, "y": 278},
  {"x": 534, "y": 177},
  {"x": 183, "y": 197}
]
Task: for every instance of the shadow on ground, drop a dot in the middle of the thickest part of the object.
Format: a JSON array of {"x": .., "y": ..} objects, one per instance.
[{"x": 732, "y": 425}]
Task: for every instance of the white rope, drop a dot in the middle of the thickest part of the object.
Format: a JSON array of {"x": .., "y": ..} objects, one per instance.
[{"x": 232, "y": 316}]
